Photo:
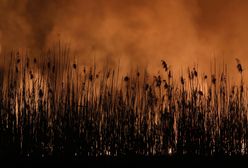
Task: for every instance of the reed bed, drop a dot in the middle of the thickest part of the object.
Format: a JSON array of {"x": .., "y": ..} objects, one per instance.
[{"x": 49, "y": 106}]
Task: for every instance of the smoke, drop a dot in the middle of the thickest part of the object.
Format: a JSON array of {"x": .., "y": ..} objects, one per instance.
[{"x": 131, "y": 32}]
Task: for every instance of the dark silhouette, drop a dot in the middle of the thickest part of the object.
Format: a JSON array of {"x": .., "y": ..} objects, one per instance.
[{"x": 89, "y": 115}]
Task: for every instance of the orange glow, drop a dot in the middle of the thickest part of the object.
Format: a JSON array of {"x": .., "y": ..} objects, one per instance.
[{"x": 138, "y": 33}]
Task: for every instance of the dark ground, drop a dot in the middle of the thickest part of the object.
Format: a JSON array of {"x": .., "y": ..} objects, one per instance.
[{"x": 127, "y": 161}]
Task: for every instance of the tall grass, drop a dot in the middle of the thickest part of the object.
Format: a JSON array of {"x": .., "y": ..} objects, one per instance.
[{"x": 50, "y": 106}]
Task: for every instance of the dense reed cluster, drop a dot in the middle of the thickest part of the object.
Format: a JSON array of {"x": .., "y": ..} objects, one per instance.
[{"x": 51, "y": 106}]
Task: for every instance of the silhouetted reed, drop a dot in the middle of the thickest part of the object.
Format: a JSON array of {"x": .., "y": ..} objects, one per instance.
[{"x": 76, "y": 112}]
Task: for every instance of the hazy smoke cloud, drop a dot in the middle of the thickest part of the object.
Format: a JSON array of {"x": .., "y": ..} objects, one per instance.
[{"x": 138, "y": 32}]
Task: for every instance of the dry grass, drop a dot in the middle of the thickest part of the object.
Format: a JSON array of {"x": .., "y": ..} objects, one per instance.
[{"x": 51, "y": 107}]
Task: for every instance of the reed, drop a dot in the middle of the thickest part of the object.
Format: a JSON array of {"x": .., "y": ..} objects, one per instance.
[{"x": 49, "y": 106}]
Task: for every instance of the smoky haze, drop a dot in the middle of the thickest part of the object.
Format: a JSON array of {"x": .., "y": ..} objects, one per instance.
[{"x": 132, "y": 32}]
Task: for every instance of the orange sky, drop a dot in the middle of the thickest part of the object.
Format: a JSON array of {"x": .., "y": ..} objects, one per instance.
[{"x": 136, "y": 32}]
